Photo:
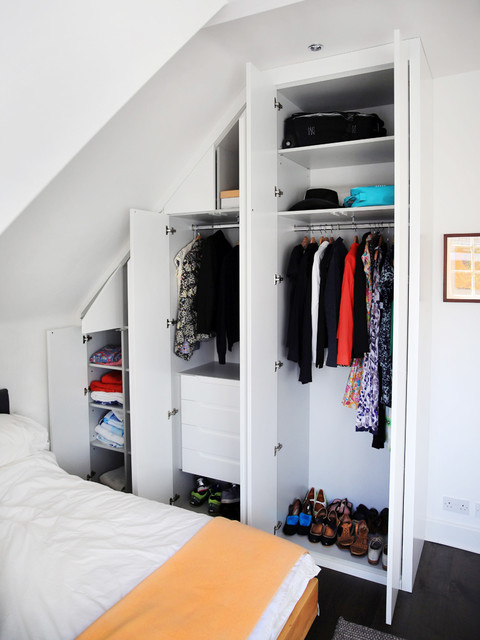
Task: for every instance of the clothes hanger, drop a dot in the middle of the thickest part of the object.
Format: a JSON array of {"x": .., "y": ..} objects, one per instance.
[{"x": 305, "y": 242}]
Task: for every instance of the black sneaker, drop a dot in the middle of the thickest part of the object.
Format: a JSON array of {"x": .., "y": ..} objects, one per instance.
[
  {"x": 215, "y": 500},
  {"x": 200, "y": 493},
  {"x": 231, "y": 494}
]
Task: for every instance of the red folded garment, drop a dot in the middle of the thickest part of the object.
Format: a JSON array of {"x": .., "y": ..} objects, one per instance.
[
  {"x": 97, "y": 385},
  {"x": 112, "y": 377}
]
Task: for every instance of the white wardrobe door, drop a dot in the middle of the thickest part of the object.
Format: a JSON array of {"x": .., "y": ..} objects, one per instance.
[
  {"x": 68, "y": 404},
  {"x": 400, "y": 326},
  {"x": 149, "y": 348},
  {"x": 261, "y": 302}
]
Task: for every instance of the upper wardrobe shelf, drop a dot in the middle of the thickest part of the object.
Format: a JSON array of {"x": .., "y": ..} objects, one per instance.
[
  {"x": 342, "y": 215},
  {"x": 342, "y": 154}
]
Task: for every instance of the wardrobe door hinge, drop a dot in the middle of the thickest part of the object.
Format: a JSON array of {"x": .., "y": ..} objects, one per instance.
[
  {"x": 86, "y": 338},
  {"x": 278, "y": 365},
  {"x": 277, "y": 278},
  {"x": 277, "y": 448},
  {"x": 171, "y": 413},
  {"x": 174, "y": 499},
  {"x": 277, "y": 105},
  {"x": 170, "y": 230},
  {"x": 85, "y": 391},
  {"x": 278, "y": 192},
  {"x": 277, "y": 527},
  {"x": 171, "y": 323}
]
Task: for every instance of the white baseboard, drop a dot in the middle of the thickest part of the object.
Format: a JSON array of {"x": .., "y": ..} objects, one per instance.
[{"x": 453, "y": 535}]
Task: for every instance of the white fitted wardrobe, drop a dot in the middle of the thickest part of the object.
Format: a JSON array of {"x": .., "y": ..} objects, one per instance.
[
  {"x": 73, "y": 413},
  {"x": 293, "y": 436}
]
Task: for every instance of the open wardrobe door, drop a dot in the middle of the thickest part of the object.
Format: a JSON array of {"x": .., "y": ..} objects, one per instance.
[
  {"x": 150, "y": 368},
  {"x": 400, "y": 324},
  {"x": 261, "y": 302}
]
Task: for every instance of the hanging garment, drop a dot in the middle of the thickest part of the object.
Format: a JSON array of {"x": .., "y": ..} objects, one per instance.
[
  {"x": 354, "y": 384},
  {"x": 360, "y": 326},
  {"x": 215, "y": 249},
  {"x": 186, "y": 335},
  {"x": 316, "y": 294},
  {"x": 367, "y": 414},
  {"x": 321, "y": 321},
  {"x": 345, "y": 320},
  {"x": 228, "y": 304},
  {"x": 304, "y": 288},
  {"x": 385, "y": 331},
  {"x": 333, "y": 292},
  {"x": 178, "y": 262},
  {"x": 293, "y": 324}
]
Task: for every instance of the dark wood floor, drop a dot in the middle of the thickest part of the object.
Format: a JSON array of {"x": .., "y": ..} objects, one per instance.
[{"x": 444, "y": 605}]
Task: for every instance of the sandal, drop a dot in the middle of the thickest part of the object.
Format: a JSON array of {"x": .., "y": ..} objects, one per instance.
[
  {"x": 360, "y": 546},
  {"x": 346, "y": 534}
]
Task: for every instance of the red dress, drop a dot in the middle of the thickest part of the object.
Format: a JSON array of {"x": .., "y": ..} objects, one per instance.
[{"x": 345, "y": 319}]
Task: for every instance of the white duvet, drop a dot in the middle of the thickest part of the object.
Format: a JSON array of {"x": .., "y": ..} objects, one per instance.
[{"x": 70, "y": 549}]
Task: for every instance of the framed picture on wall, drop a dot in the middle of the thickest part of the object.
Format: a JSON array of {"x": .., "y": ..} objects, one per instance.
[{"x": 461, "y": 267}]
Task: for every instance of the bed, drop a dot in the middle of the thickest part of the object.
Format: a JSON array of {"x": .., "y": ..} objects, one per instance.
[{"x": 74, "y": 555}]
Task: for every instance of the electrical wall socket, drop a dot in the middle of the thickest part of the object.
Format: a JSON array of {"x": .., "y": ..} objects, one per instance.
[{"x": 456, "y": 505}]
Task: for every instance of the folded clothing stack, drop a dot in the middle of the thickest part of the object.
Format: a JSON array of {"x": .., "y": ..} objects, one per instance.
[
  {"x": 108, "y": 390},
  {"x": 109, "y": 354},
  {"x": 110, "y": 430}
]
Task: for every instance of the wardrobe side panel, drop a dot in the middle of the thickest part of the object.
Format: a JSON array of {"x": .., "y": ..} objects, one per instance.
[
  {"x": 197, "y": 192},
  {"x": 149, "y": 345},
  {"x": 107, "y": 310}
]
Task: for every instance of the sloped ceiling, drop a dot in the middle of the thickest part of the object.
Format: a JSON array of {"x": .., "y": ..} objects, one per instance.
[
  {"x": 53, "y": 255},
  {"x": 67, "y": 67}
]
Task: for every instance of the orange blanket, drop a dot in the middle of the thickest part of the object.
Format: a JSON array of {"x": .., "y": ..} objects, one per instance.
[{"x": 215, "y": 587}]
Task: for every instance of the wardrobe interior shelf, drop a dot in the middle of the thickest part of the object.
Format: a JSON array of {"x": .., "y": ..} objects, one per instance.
[
  {"x": 374, "y": 215},
  {"x": 227, "y": 371},
  {"x": 214, "y": 215},
  {"x": 331, "y": 557},
  {"x": 116, "y": 367},
  {"x": 106, "y": 407},
  {"x": 102, "y": 445},
  {"x": 342, "y": 154}
]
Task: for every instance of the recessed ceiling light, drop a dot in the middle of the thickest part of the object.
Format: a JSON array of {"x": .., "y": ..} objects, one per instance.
[{"x": 315, "y": 47}]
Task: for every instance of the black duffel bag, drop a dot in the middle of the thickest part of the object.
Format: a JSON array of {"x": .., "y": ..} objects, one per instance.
[{"x": 306, "y": 129}]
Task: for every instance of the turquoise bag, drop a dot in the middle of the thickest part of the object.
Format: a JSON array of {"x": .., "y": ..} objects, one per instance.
[{"x": 370, "y": 196}]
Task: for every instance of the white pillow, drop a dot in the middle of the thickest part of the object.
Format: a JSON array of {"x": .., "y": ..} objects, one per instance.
[{"x": 20, "y": 437}]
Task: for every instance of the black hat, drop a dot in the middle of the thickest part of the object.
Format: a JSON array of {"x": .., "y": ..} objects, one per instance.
[{"x": 317, "y": 199}]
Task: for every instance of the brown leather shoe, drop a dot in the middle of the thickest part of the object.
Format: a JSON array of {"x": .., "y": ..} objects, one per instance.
[
  {"x": 318, "y": 525},
  {"x": 331, "y": 528}
]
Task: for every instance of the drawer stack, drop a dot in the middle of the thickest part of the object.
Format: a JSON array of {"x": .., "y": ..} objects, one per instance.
[{"x": 210, "y": 407}]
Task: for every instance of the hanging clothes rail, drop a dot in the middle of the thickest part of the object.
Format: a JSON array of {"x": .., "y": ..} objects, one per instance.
[
  {"x": 329, "y": 226},
  {"x": 215, "y": 225}
]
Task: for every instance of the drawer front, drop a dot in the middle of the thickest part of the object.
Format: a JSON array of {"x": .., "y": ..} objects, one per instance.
[
  {"x": 211, "y": 466},
  {"x": 210, "y": 441},
  {"x": 212, "y": 417},
  {"x": 223, "y": 393}
]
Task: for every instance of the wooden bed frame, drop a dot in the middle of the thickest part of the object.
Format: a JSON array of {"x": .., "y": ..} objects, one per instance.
[{"x": 303, "y": 615}]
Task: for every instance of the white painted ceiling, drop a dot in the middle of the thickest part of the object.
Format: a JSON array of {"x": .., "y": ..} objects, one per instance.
[{"x": 61, "y": 246}]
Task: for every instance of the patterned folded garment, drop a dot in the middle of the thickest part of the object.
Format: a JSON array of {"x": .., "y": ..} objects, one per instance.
[{"x": 109, "y": 354}]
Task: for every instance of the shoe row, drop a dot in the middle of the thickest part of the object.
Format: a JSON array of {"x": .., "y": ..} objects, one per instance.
[
  {"x": 218, "y": 496},
  {"x": 338, "y": 523}
]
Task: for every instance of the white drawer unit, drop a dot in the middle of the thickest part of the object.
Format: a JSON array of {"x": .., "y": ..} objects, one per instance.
[{"x": 210, "y": 414}]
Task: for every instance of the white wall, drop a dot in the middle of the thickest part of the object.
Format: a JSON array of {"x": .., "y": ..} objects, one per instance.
[
  {"x": 454, "y": 469},
  {"x": 23, "y": 371}
]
